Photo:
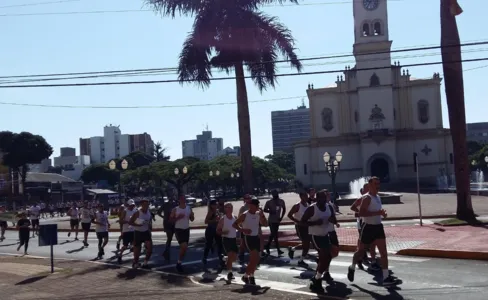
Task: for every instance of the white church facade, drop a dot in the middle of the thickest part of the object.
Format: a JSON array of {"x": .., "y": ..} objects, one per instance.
[{"x": 375, "y": 114}]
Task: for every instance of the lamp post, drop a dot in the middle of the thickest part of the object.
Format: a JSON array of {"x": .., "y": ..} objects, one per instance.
[
  {"x": 178, "y": 182},
  {"x": 332, "y": 166},
  {"x": 486, "y": 160},
  {"x": 123, "y": 166},
  {"x": 211, "y": 173}
]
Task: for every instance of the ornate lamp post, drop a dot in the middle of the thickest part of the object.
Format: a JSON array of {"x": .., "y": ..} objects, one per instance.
[
  {"x": 332, "y": 166},
  {"x": 178, "y": 181},
  {"x": 123, "y": 166},
  {"x": 211, "y": 174}
]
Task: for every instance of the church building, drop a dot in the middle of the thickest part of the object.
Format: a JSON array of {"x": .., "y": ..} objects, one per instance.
[{"x": 375, "y": 114}]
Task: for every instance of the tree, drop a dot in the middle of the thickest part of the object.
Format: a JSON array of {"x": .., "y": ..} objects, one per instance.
[
  {"x": 22, "y": 149},
  {"x": 229, "y": 35},
  {"x": 139, "y": 159},
  {"x": 159, "y": 152},
  {"x": 100, "y": 172},
  {"x": 474, "y": 147},
  {"x": 284, "y": 160},
  {"x": 454, "y": 86}
]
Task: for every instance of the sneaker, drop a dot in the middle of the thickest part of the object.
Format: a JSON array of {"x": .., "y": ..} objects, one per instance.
[
  {"x": 360, "y": 266},
  {"x": 316, "y": 285},
  {"x": 291, "y": 252},
  {"x": 117, "y": 246},
  {"x": 245, "y": 279},
  {"x": 280, "y": 253},
  {"x": 25, "y": 253},
  {"x": 374, "y": 267},
  {"x": 76, "y": 239},
  {"x": 85, "y": 243},
  {"x": 268, "y": 251},
  {"x": 119, "y": 259},
  {"x": 145, "y": 266},
  {"x": 350, "y": 273},
  {"x": 389, "y": 281},
  {"x": 303, "y": 264},
  {"x": 179, "y": 268},
  {"x": 252, "y": 280},
  {"x": 69, "y": 233},
  {"x": 328, "y": 278},
  {"x": 136, "y": 265},
  {"x": 230, "y": 276}
]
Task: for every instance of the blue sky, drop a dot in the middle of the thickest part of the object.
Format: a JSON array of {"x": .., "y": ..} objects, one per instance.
[{"x": 135, "y": 40}]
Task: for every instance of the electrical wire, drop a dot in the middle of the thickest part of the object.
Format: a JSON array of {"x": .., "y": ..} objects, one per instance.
[
  {"x": 38, "y": 3},
  {"x": 174, "y": 69}
]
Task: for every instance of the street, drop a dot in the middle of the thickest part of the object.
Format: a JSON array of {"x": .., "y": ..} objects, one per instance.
[{"x": 422, "y": 278}]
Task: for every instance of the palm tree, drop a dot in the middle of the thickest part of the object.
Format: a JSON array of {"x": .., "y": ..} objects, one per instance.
[
  {"x": 454, "y": 86},
  {"x": 159, "y": 153},
  {"x": 230, "y": 35}
]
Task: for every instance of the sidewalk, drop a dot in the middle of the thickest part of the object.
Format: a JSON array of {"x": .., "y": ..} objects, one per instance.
[
  {"x": 29, "y": 279},
  {"x": 458, "y": 242}
]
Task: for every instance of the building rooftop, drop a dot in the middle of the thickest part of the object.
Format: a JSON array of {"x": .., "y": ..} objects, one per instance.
[{"x": 47, "y": 177}]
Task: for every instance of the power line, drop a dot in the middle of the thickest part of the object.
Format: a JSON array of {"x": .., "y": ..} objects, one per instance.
[
  {"x": 165, "y": 106},
  {"x": 225, "y": 78},
  {"x": 38, "y": 3},
  {"x": 164, "y": 69}
]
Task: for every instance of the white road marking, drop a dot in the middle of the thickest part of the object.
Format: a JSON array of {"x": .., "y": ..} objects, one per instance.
[
  {"x": 187, "y": 263},
  {"x": 393, "y": 257},
  {"x": 297, "y": 272}
]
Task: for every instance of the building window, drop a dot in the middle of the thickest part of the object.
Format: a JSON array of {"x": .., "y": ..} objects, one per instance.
[
  {"x": 365, "y": 29},
  {"x": 377, "y": 28},
  {"x": 305, "y": 169},
  {"x": 374, "y": 80}
]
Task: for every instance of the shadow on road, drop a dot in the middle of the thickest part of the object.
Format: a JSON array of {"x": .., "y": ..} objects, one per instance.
[
  {"x": 31, "y": 280},
  {"x": 338, "y": 289},
  {"x": 76, "y": 250},
  {"x": 253, "y": 290},
  {"x": 5, "y": 245},
  {"x": 392, "y": 293}
]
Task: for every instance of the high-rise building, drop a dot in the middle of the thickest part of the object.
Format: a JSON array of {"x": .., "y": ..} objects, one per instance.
[
  {"x": 204, "y": 147},
  {"x": 41, "y": 167},
  {"x": 68, "y": 151},
  {"x": 477, "y": 132},
  {"x": 288, "y": 127},
  {"x": 114, "y": 144}
]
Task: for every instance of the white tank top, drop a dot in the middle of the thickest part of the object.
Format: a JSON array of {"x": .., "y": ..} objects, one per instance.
[
  {"x": 319, "y": 230},
  {"x": 227, "y": 227},
  {"x": 331, "y": 226},
  {"x": 301, "y": 210},
  {"x": 101, "y": 217},
  {"x": 74, "y": 214},
  {"x": 86, "y": 215},
  {"x": 183, "y": 223},
  {"x": 251, "y": 222},
  {"x": 128, "y": 214},
  {"x": 144, "y": 219},
  {"x": 374, "y": 205}
]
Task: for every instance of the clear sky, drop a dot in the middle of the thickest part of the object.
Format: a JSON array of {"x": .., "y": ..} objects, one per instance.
[{"x": 38, "y": 44}]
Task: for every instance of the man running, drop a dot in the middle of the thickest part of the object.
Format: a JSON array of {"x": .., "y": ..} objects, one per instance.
[
  {"x": 242, "y": 248},
  {"x": 212, "y": 220},
  {"x": 229, "y": 237},
  {"x": 34, "y": 213},
  {"x": 372, "y": 232},
  {"x": 120, "y": 211},
  {"x": 276, "y": 208},
  {"x": 317, "y": 217},
  {"x": 3, "y": 227},
  {"x": 140, "y": 220},
  {"x": 248, "y": 224},
  {"x": 295, "y": 214},
  {"x": 23, "y": 226},
  {"x": 86, "y": 219},
  {"x": 74, "y": 222},
  {"x": 334, "y": 239},
  {"x": 181, "y": 216},
  {"x": 169, "y": 227},
  {"x": 311, "y": 196},
  {"x": 101, "y": 228},
  {"x": 127, "y": 230}
]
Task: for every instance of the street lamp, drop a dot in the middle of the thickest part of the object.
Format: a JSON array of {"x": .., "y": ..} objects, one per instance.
[
  {"x": 332, "y": 166},
  {"x": 123, "y": 165},
  {"x": 486, "y": 159},
  {"x": 177, "y": 172}
]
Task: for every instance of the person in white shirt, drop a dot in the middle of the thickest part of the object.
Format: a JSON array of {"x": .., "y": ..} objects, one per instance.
[
  {"x": 74, "y": 222},
  {"x": 86, "y": 220},
  {"x": 181, "y": 216},
  {"x": 101, "y": 228},
  {"x": 141, "y": 221},
  {"x": 34, "y": 213},
  {"x": 295, "y": 214},
  {"x": 229, "y": 237},
  {"x": 127, "y": 230}
]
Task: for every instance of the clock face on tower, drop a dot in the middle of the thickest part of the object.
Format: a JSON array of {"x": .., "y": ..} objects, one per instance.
[{"x": 370, "y": 4}]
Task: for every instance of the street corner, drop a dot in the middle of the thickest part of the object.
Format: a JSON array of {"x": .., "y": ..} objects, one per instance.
[{"x": 438, "y": 253}]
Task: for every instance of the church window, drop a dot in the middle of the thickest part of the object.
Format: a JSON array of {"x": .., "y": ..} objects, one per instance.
[
  {"x": 366, "y": 29},
  {"x": 374, "y": 80},
  {"x": 377, "y": 28},
  {"x": 305, "y": 169},
  {"x": 423, "y": 111}
]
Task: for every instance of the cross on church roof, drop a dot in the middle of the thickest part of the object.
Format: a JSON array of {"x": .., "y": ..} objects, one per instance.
[{"x": 426, "y": 150}]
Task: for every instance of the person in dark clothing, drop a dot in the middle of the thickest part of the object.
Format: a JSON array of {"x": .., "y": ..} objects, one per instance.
[
  {"x": 164, "y": 212},
  {"x": 23, "y": 225},
  {"x": 276, "y": 208},
  {"x": 212, "y": 220}
]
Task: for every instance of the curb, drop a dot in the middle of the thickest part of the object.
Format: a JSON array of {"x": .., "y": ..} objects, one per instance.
[{"x": 452, "y": 254}]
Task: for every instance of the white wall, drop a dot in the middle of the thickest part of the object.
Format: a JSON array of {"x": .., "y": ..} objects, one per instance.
[
  {"x": 317, "y": 104},
  {"x": 430, "y": 93},
  {"x": 111, "y": 136},
  {"x": 302, "y": 158},
  {"x": 369, "y": 97}
]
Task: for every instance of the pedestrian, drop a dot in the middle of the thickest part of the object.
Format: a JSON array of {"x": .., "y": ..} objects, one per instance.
[
  {"x": 23, "y": 226},
  {"x": 212, "y": 220},
  {"x": 101, "y": 228},
  {"x": 164, "y": 212},
  {"x": 74, "y": 222},
  {"x": 86, "y": 220},
  {"x": 276, "y": 209},
  {"x": 229, "y": 237},
  {"x": 295, "y": 214},
  {"x": 127, "y": 230},
  {"x": 181, "y": 216},
  {"x": 141, "y": 220},
  {"x": 34, "y": 214}
]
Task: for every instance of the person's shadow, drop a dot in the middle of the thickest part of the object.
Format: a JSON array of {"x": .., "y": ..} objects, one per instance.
[
  {"x": 75, "y": 250},
  {"x": 392, "y": 293},
  {"x": 338, "y": 289}
]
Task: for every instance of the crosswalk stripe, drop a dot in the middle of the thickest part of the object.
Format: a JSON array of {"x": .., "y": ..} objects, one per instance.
[
  {"x": 273, "y": 284},
  {"x": 297, "y": 272}
]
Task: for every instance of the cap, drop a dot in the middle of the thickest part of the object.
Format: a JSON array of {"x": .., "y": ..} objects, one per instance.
[
  {"x": 255, "y": 202},
  {"x": 131, "y": 202}
]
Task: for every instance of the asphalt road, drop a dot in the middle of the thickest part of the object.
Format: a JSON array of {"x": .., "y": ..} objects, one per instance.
[{"x": 422, "y": 278}]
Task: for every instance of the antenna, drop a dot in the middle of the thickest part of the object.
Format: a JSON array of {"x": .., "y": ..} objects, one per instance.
[
  {"x": 303, "y": 102},
  {"x": 206, "y": 128}
]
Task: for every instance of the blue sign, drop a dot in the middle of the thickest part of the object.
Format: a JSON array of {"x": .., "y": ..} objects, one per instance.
[{"x": 48, "y": 235}]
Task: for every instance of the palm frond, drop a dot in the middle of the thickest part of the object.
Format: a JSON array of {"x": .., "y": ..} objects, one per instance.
[
  {"x": 194, "y": 63},
  {"x": 172, "y": 7},
  {"x": 256, "y": 4}
]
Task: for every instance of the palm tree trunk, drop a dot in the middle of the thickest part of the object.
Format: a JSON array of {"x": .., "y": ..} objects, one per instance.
[
  {"x": 244, "y": 128},
  {"x": 454, "y": 86}
]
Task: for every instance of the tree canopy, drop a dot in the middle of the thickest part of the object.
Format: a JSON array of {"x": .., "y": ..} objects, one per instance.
[
  {"x": 283, "y": 160},
  {"x": 21, "y": 149}
]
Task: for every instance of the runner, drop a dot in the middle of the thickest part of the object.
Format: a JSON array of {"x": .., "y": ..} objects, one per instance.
[
  {"x": 276, "y": 209},
  {"x": 169, "y": 227},
  {"x": 311, "y": 196},
  {"x": 334, "y": 240},
  {"x": 229, "y": 237},
  {"x": 23, "y": 226},
  {"x": 295, "y": 214},
  {"x": 242, "y": 247},
  {"x": 248, "y": 224},
  {"x": 74, "y": 221},
  {"x": 86, "y": 219},
  {"x": 181, "y": 216},
  {"x": 140, "y": 220},
  {"x": 34, "y": 213},
  {"x": 3, "y": 227},
  {"x": 212, "y": 220},
  {"x": 120, "y": 211},
  {"x": 317, "y": 217},
  {"x": 372, "y": 232},
  {"x": 127, "y": 230},
  {"x": 101, "y": 228}
]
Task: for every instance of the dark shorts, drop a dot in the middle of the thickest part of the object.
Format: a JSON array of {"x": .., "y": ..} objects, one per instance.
[
  {"x": 141, "y": 237},
  {"x": 182, "y": 235},
  {"x": 302, "y": 232},
  {"x": 229, "y": 244},
  {"x": 3, "y": 224},
  {"x": 86, "y": 226},
  {"x": 168, "y": 227},
  {"x": 74, "y": 222},
  {"x": 371, "y": 233},
  {"x": 35, "y": 222},
  {"x": 252, "y": 242},
  {"x": 334, "y": 240},
  {"x": 102, "y": 235},
  {"x": 320, "y": 242},
  {"x": 127, "y": 238}
]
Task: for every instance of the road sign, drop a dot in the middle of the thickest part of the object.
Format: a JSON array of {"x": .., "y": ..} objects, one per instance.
[{"x": 48, "y": 236}]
